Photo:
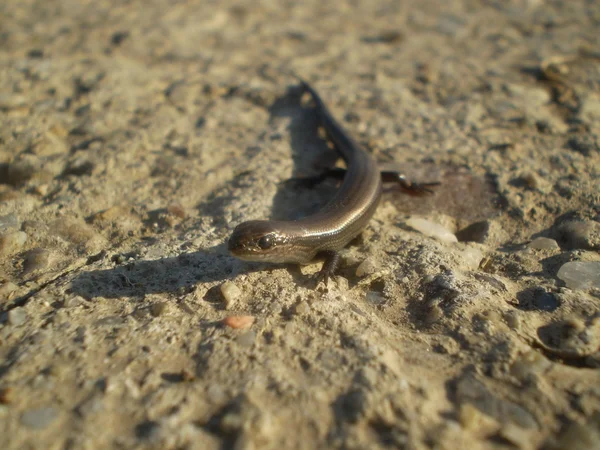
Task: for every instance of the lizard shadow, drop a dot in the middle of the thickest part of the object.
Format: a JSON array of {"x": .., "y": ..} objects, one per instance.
[
  {"x": 181, "y": 273},
  {"x": 310, "y": 155}
]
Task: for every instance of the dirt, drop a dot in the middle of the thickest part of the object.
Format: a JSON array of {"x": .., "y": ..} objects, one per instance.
[{"x": 136, "y": 135}]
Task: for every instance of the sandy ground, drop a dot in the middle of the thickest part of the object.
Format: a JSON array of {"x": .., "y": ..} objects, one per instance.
[{"x": 135, "y": 135}]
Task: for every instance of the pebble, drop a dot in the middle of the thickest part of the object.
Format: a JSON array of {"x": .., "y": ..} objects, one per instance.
[
  {"x": 519, "y": 437},
  {"x": 91, "y": 405},
  {"x": 367, "y": 376},
  {"x": 8, "y": 222},
  {"x": 471, "y": 258},
  {"x": 375, "y": 298},
  {"x": 367, "y": 267},
  {"x": 238, "y": 322},
  {"x": 72, "y": 302},
  {"x": 586, "y": 144},
  {"x": 177, "y": 210},
  {"x": 39, "y": 418},
  {"x": 79, "y": 233},
  {"x": 301, "y": 308},
  {"x": 584, "y": 234},
  {"x": 215, "y": 394},
  {"x": 530, "y": 363},
  {"x": 545, "y": 301},
  {"x": 231, "y": 294},
  {"x": 590, "y": 109},
  {"x": 580, "y": 274},
  {"x": 513, "y": 320},
  {"x": 17, "y": 316},
  {"x": 473, "y": 419},
  {"x": 431, "y": 229},
  {"x": 12, "y": 242},
  {"x": 35, "y": 259},
  {"x": 246, "y": 339},
  {"x": 6, "y": 396},
  {"x": 52, "y": 142},
  {"x": 577, "y": 436},
  {"x": 543, "y": 243},
  {"x": 7, "y": 290}
]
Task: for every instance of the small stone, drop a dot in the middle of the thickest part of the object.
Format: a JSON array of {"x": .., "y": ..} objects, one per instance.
[
  {"x": 431, "y": 229},
  {"x": 577, "y": 436},
  {"x": 471, "y": 258},
  {"x": 246, "y": 339},
  {"x": 158, "y": 309},
  {"x": 17, "y": 316},
  {"x": 367, "y": 267},
  {"x": 51, "y": 143},
  {"x": 79, "y": 233},
  {"x": 301, "y": 308},
  {"x": 40, "y": 418},
  {"x": 91, "y": 405},
  {"x": 517, "y": 436},
  {"x": 231, "y": 423},
  {"x": 375, "y": 298},
  {"x": 367, "y": 376},
  {"x": 589, "y": 110},
  {"x": 72, "y": 302},
  {"x": 530, "y": 363},
  {"x": 177, "y": 210},
  {"x": 474, "y": 420},
  {"x": 7, "y": 291},
  {"x": 35, "y": 260},
  {"x": 513, "y": 320},
  {"x": 543, "y": 243},
  {"x": 6, "y": 396},
  {"x": 8, "y": 222},
  {"x": 586, "y": 144},
  {"x": 584, "y": 234},
  {"x": 580, "y": 274},
  {"x": 231, "y": 294},
  {"x": 238, "y": 322},
  {"x": 12, "y": 242},
  {"x": 215, "y": 394}
]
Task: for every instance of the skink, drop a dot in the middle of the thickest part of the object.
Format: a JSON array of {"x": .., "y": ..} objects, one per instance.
[{"x": 336, "y": 224}]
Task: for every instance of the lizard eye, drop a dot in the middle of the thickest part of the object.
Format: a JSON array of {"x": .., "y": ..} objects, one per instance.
[{"x": 266, "y": 242}]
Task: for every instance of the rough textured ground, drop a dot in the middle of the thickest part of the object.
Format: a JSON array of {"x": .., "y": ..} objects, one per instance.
[{"x": 134, "y": 135}]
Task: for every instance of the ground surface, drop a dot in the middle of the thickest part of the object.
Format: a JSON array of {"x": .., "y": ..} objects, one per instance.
[{"x": 135, "y": 135}]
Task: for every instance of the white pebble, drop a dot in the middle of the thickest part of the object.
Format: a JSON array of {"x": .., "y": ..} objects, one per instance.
[
  {"x": 17, "y": 316},
  {"x": 542, "y": 243},
  {"x": 580, "y": 274},
  {"x": 367, "y": 267},
  {"x": 472, "y": 257},
  {"x": 231, "y": 294},
  {"x": 12, "y": 242},
  {"x": 431, "y": 229}
]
